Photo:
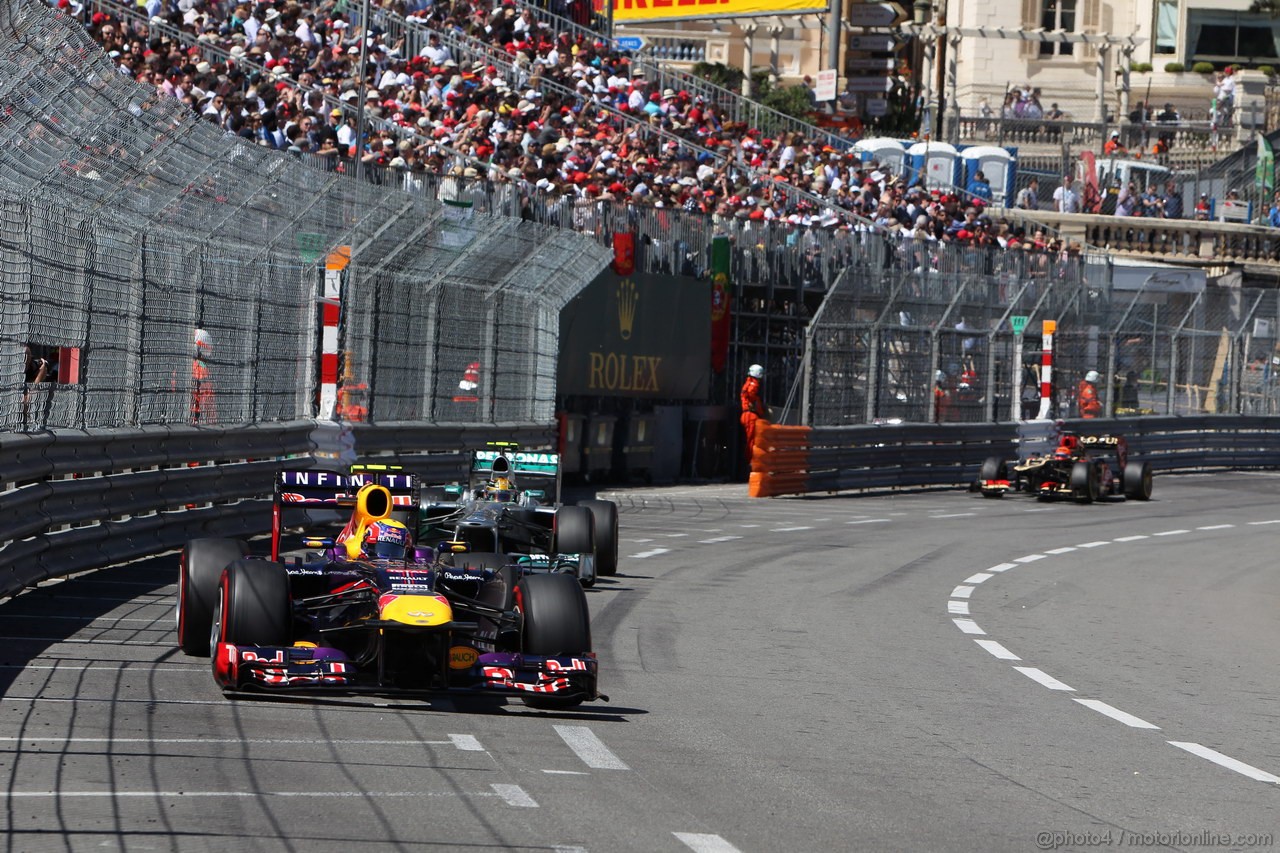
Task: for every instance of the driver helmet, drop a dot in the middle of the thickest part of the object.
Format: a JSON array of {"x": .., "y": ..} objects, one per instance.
[
  {"x": 386, "y": 540},
  {"x": 755, "y": 371},
  {"x": 1063, "y": 452},
  {"x": 501, "y": 490}
]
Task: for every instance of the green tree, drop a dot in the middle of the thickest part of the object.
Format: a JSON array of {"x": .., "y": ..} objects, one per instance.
[{"x": 720, "y": 74}]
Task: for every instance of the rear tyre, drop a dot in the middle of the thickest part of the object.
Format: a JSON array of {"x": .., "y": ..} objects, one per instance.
[
  {"x": 255, "y": 603},
  {"x": 605, "y": 516},
  {"x": 573, "y": 533},
  {"x": 556, "y": 624},
  {"x": 199, "y": 574},
  {"x": 1137, "y": 481},
  {"x": 993, "y": 468},
  {"x": 1084, "y": 482}
]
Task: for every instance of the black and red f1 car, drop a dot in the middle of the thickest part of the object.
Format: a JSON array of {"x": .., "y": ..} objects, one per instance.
[
  {"x": 1084, "y": 468},
  {"x": 377, "y": 613}
]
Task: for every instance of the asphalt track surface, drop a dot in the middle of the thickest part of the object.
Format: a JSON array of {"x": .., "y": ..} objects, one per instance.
[{"x": 910, "y": 671}]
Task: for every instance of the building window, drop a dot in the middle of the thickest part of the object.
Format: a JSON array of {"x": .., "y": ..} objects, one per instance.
[
  {"x": 1166, "y": 27},
  {"x": 1058, "y": 15},
  {"x": 1223, "y": 36}
]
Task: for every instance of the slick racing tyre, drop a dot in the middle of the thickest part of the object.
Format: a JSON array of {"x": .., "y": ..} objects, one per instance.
[
  {"x": 556, "y": 624},
  {"x": 1084, "y": 482},
  {"x": 199, "y": 574},
  {"x": 254, "y": 607},
  {"x": 993, "y": 468},
  {"x": 605, "y": 516},
  {"x": 573, "y": 533},
  {"x": 1137, "y": 481}
]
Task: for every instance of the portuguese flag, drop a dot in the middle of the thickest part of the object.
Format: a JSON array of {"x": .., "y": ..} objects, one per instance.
[{"x": 721, "y": 302}]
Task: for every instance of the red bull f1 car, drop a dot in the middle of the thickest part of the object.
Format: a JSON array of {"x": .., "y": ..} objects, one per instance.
[
  {"x": 372, "y": 611},
  {"x": 1084, "y": 468}
]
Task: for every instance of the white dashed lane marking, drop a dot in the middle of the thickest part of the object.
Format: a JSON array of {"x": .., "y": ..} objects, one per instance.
[
  {"x": 1219, "y": 526},
  {"x": 968, "y": 626},
  {"x": 1043, "y": 678},
  {"x": 1030, "y": 558},
  {"x": 1093, "y": 544},
  {"x": 958, "y": 608},
  {"x": 1116, "y": 714},
  {"x": 978, "y": 578},
  {"x": 1226, "y": 761},
  {"x": 1002, "y": 567},
  {"x": 590, "y": 748},
  {"x": 867, "y": 521},
  {"x": 1273, "y": 521},
  {"x": 702, "y": 843},
  {"x": 466, "y": 743},
  {"x": 998, "y": 650},
  {"x": 717, "y": 539},
  {"x": 514, "y": 795},
  {"x": 788, "y": 529},
  {"x": 650, "y": 553},
  {"x": 962, "y": 592},
  {"x": 1133, "y": 538},
  {"x": 1170, "y": 532},
  {"x": 954, "y": 515},
  {"x": 1067, "y": 550}
]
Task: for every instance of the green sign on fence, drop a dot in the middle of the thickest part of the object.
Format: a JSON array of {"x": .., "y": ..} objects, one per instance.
[{"x": 1019, "y": 322}]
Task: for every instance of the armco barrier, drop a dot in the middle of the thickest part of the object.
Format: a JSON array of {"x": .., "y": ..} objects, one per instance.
[
  {"x": 72, "y": 500},
  {"x": 798, "y": 460}
]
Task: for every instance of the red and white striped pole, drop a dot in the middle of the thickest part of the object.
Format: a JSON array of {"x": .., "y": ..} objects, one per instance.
[
  {"x": 330, "y": 317},
  {"x": 1046, "y": 370}
]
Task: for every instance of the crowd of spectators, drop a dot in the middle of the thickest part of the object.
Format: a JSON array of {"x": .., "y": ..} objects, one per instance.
[{"x": 290, "y": 67}]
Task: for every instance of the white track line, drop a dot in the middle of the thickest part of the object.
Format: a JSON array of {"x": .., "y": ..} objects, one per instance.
[
  {"x": 1219, "y": 526},
  {"x": 1002, "y": 567},
  {"x": 1226, "y": 761},
  {"x": 998, "y": 650},
  {"x": 868, "y": 521},
  {"x": 1092, "y": 544},
  {"x": 1273, "y": 521},
  {"x": 1043, "y": 678},
  {"x": 958, "y": 608},
  {"x": 1116, "y": 714},
  {"x": 1067, "y": 550},
  {"x": 466, "y": 743},
  {"x": 717, "y": 539},
  {"x": 979, "y": 577},
  {"x": 1133, "y": 538},
  {"x": 590, "y": 748},
  {"x": 968, "y": 626},
  {"x": 954, "y": 515},
  {"x": 1030, "y": 558},
  {"x": 962, "y": 592},
  {"x": 789, "y": 529},
  {"x": 514, "y": 795},
  {"x": 1170, "y": 532},
  {"x": 651, "y": 553},
  {"x": 702, "y": 843}
]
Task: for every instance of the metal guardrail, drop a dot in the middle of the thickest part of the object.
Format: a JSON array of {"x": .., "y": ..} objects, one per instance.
[
  {"x": 76, "y": 500},
  {"x": 915, "y": 455}
]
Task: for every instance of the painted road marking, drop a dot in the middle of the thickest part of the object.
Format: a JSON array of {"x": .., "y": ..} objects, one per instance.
[
  {"x": 968, "y": 626},
  {"x": 979, "y": 577},
  {"x": 238, "y": 741},
  {"x": 1066, "y": 550},
  {"x": 1273, "y": 521},
  {"x": 1030, "y": 558},
  {"x": 998, "y": 650},
  {"x": 674, "y": 535},
  {"x": 959, "y": 608},
  {"x": 1092, "y": 544},
  {"x": 1133, "y": 538},
  {"x": 788, "y": 529},
  {"x": 954, "y": 515},
  {"x": 651, "y": 553},
  {"x": 748, "y": 525},
  {"x": 514, "y": 795},
  {"x": 1116, "y": 714},
  {"x": 717, "y": 539},
  {"x": 466, "y": 743},
  {"x": 640, "y": 541},
  {"x": 702, "y": 843},
  {"x": 1041, "y": 677},
  {"x": 590, "y": 748},
  {"x": 1219, "y": 526},
  {"x": 1002, "y": 567},
  {"x": 567, "y": 772},
  {"x": 868, "y": 521},
  {"x": 962, "y": 592},
  {"x": 1170, "y": 532},
  {"x": 1226, "y": 761}
]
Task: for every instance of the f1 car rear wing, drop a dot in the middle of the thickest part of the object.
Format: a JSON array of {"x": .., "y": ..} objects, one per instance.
[
  {"x": 320, "y": 489},
  {"x": 505, "y": 458}
]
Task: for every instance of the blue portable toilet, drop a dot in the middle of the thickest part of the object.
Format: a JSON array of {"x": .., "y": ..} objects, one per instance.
[
  {"x": 890, "y": 154},
  {"x": 938, "y": 162},
  {"x": 999, "y": 165}
]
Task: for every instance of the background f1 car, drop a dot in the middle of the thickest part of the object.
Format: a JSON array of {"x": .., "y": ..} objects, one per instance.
[
  {"x": 496, "y": 517},
  {"x": 1082, "y": 467},
  {"x": 340, "y": 621}
]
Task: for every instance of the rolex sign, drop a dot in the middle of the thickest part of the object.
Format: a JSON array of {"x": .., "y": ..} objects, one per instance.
[{"x": 639, "y": 335}]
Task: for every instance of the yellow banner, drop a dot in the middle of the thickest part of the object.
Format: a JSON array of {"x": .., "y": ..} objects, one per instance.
[{"x": 636, "y": 11}]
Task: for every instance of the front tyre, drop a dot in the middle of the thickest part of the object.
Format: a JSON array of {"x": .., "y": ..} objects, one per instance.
[
  {"x": 1137, "y": 481},
  {"x": 556, "y": 624},
  {"x": 255, "y": 603},
  {"x": 1084, "y": 482},
  {"x": 573, "y": 532},
  {"x": 199, "y": 574}
]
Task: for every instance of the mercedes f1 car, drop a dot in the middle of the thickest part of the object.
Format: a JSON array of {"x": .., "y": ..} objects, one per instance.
[
  {"x": 494, "y": 514},
  {"x": 1084, "y": 468},
  {"x": 372, "y": 611}
]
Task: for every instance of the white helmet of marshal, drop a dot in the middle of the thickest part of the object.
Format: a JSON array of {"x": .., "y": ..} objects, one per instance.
[
  {"x": 1091, "y": 376},
  {"x": 756, "y": 371}
]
